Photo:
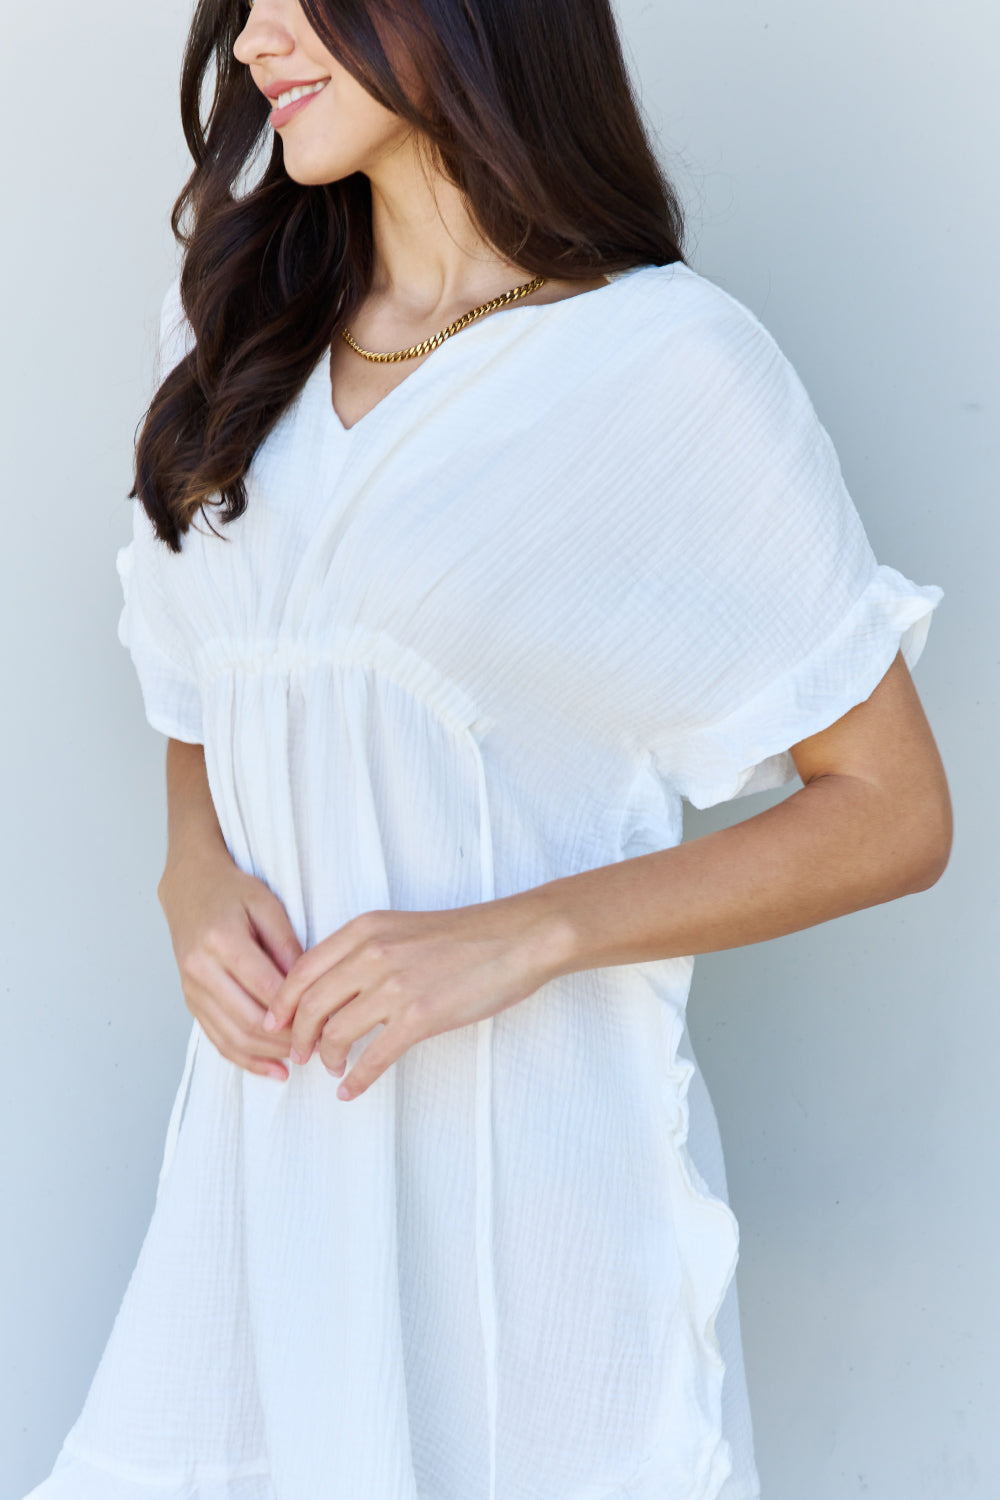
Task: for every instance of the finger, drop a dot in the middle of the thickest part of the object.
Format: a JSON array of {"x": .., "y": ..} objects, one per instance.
[
  {"x": 237, "y": 946},
  {"x": 255, "y": 970},
  {"x": 316, "y": 962},
  {"x": 380, "y": 1053},
  {"x": 236, "y": 1014},
  {"x": 347, "y": 1026},
  {"x": 263, "y": 1067},
  {"x": 273, "y": 928},
  {"x": 335, "y": 991}
]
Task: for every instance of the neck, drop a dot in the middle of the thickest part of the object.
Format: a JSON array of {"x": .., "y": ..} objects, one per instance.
[{"x": 429, "y": 254}]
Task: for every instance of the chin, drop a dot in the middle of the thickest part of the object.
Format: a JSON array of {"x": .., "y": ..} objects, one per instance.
[{"x": 313, "y": 172}]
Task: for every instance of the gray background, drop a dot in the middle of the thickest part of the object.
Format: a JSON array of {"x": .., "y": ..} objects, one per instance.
[{"x": 838, "y": 164}]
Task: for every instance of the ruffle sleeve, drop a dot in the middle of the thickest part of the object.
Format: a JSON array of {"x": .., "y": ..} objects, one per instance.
[
  {"x": 748, "y": 750},
  {"x": 150, "y": 625},
  {"x": 799, "y": 622}
]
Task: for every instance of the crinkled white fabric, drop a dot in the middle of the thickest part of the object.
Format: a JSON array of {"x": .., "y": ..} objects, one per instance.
[{"x": 587, "y": 560}]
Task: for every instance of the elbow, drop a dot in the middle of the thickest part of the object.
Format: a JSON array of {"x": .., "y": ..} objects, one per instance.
[
  {"x": 928, "y": 844},
  {"x": 931, "y": 867},
  {"x": 927, "y": 870}
]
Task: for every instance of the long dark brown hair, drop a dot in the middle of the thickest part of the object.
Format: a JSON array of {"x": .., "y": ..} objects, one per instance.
[{"x": 533, "y": 116}]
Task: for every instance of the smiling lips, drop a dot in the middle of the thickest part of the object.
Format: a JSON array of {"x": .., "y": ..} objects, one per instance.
[{"x": 289, "y": 98}]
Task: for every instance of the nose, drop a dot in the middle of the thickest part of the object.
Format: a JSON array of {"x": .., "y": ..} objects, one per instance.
[{"x": 264, "y": 35}]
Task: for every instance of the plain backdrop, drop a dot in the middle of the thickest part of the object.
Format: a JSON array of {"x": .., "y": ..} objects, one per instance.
[{"x": 838, "y": 163}]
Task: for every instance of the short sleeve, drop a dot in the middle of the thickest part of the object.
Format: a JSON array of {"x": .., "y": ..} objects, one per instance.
[
  {"x": 798, "y": 621},
  {"x": 150, "y": 623}
]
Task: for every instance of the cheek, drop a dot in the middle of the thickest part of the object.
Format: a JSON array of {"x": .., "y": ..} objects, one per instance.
[{"x": 341, "y": 134}]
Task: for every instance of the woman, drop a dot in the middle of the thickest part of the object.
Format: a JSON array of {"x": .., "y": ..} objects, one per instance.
[{"x": 475, "y": 532}]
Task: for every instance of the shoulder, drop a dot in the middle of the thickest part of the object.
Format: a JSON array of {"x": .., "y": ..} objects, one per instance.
[
  {"x": 697, "y": 316},
  {"x": 700, "y": 342}
]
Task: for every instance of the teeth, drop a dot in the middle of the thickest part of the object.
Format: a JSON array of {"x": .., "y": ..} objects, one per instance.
[{"x": 290, "y": 95}]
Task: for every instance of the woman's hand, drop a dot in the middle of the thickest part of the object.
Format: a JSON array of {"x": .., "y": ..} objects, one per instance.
[
  {"x": 418, "y": 973},
  {"x": 234, "y": 945}
]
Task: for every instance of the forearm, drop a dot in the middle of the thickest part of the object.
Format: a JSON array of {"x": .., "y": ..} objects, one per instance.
[
  {"x": 833, "y": 847},
  {"x": 192, "y": 825}
]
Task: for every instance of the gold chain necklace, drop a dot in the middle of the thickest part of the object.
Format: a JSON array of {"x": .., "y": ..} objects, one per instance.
[{"x": 426, "y": 345}]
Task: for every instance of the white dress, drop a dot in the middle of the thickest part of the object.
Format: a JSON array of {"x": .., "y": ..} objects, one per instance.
[{"x": 587, "y": 560}]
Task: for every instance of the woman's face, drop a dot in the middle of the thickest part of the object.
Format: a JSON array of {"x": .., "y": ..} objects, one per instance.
[{"x": 331, "y": 126}]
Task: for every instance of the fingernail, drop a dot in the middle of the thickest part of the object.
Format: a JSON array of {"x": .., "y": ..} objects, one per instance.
[
  {"x": 278, "y": 1074},
  {"x": 343, "y": 1092},
  {"x": 270, "y": 1022},
  {"x": 296, "y": 1056}
]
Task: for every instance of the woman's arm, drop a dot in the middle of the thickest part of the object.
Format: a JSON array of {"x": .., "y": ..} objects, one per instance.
[
  {"x": 231, "y": 935},
  {"x": 191, "y": 820},
  {"x": 872, "y": 822}
]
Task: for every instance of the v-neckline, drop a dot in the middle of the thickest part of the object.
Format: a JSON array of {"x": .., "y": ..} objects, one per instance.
[{"x": 321, "y": 372}]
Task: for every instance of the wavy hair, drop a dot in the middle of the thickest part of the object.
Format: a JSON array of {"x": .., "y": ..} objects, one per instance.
[{"x": 530, "y": 113}]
